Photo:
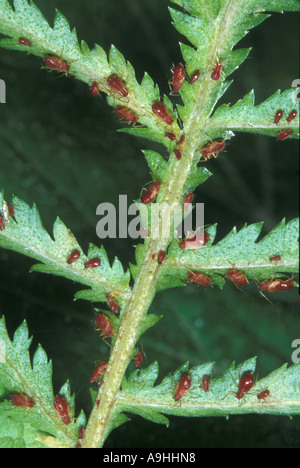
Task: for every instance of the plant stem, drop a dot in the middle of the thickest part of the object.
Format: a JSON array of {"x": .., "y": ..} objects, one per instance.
[{"x": 144, "y": 288}]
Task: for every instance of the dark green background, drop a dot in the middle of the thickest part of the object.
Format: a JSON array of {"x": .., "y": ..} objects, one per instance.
[{"x": 59, "y": 147}]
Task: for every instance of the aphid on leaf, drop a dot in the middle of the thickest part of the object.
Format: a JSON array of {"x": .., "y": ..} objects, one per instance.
[
  {"x": 2, "y": 223},
  {"x": 56, "y": 63},
  {"x": 278, "y": 116},
  {"x": 98, "y": 372},
  {"x": 112, "y": 304},
  {"x": 187, "y": 201},
  {"x": 94, "y": 263},
  {"x": 263, "y": 395},
  {"x": 161, "y": 256},
  {"x": 216, "y": 74},
  {"x": 275, "y": 258},
  {"x": 212, "y": 149},
  {"x": 237, "y": 277},
  {"x": 11, "y": 210},
  {"x": 182, "y": 387},
  {"x": 127, "y": 114},
  {"x": 95, "y": 89},
  {"x": 62, "y": 409},
  {"x": 75, "y": 255},
  {"x": 162, "y": 112},
  {"x": 104, "y": 324},
  {"x": 117, "y": 85},
  {"x": 292, "y": 115},
  {"x": 21, "y": 400},
  {"x": 138, "y": 360},
  {"x": 180, "y": 142},
  {"x": 24, "y": 41},
  {"x": 276, "y": 285},
  {"x": 245, "y": 385},
  {"x": 171, "y": 136},
  {"x": 195, "y": 242},
  {"x": 150, "y": 195},
  {"x": 205, "y": 383},
  {"x": 178, "y": 77},
  {"x": 194, "y": 77},
  {"x": 177, "y": 154},
  {"x": 284, "y": 134},
  {"x": 199, "y": 278}
]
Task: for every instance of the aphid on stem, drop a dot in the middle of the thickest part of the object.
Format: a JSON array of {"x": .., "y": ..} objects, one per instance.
[
  {"x": 127, "y": 114},
  {"x": 138, "y": 360},
  {"x": 150, "y": 195},
  {"x": 98, "y": 372},
  {"x": 112, "y": 304}
]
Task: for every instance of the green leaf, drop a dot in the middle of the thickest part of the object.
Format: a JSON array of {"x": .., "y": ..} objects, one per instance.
[
  {"x": 244, "y": 116},
  {"x": 240, "y": 250},
  {"x": 19, "y": 376},
  {"x": 25, "y": 234},
  {"x": 139, "y": 395}
]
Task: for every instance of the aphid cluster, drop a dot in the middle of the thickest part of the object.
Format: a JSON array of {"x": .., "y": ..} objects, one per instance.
[
  {"x": 284, "y": 134},
  {"x": 104, "y": 325}
]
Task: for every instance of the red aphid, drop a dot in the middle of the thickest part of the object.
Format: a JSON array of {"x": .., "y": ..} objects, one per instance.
[
  {"x": 2, "y": 223},
  {"x": 292, "y": 115},
  {"x": 94, "y": 263},
  {"x": 263, "y": 394},
  {"x": 195, "y": 242},
  {"x": 180, "y": 142},
  {"x": 21, "y": 400},
  {"x": 117, "y": 85},
  {"x": 161, "y": 256},
  {"x": 205, "y": 383},
  {"x": 188, "y": 200},
  {"x": 95, "y": 89},
  {"x": 81, "y": 433},
  {"x": 245, "y": 385},
  {"x": 24, "y": 41},
  {"x": 275, "y": 258},
  {"x": 112, "y": 304},
  {"x": 104, "y": 324},
  {"x": 278, "y": 116},
  {"x": 162, "y": 112},
  {"x": 182, "y": 387},
  {"x": 237, "y": 277},
  {"x": 284, "y": 134},
  {"x": 151, "y": 194},
  {"x": 177, "y": 154},
  {"x": 127, "y": 114},
  {"x": 194, "y": 77},
  {"x": 212, "y": 149},
  {"x": 178, "y": 77},
  {"x": 216, "y": 74},
  {"x": 276, "y": 285},
  {"x": 56, "y": 63},
  {"x": 11, "y": 210},
  {"x": 138, "y": 358},
  {"x": 199, "y": 278},
  {"x": 98, "y": 372},
  {"x": 62, "y": 409},
  {"x": 75, "y": 255},
  {"x": 171, "y": 136}
]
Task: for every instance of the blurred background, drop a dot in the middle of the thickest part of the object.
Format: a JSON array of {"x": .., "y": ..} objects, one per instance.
[{"x": 59, "y": 147}]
